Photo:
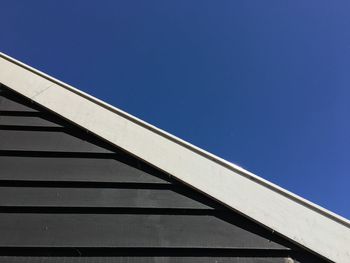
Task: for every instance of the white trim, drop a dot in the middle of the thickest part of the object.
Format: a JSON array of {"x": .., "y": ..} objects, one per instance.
[{"x": 303, "y": 222}]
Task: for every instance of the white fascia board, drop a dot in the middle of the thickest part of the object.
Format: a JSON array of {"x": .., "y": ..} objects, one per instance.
[{"x": 299, "y": 220}]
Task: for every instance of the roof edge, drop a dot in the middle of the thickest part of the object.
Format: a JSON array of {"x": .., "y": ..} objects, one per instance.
[
  {"x": 188, "y": 145},
  {"x": 6, "y": 77}
]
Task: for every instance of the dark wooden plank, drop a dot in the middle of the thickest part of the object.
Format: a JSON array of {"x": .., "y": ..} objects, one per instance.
[
  {"x": 7, "y": 104},
  {"x": 27, "y": 121},
  {"x": 132, "y": 259},
  {"x": 95, "y": 197},
  {"x": 45, "y": 141},
  {"x": 122, "y": 230},
  {"x": 72, "y": 169},
  {"x": 157, "y": 255}
]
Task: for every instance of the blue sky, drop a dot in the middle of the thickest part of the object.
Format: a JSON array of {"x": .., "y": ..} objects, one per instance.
[{"x": 263, "y": 84}]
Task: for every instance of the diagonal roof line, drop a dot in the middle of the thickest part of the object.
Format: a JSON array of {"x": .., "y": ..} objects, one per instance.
[
  {"x": 186, "y": 144},
  {"x": 301, "y": 221}
]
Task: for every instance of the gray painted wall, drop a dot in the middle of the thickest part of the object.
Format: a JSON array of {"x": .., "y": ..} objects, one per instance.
[{"x": 66, "y": 196}]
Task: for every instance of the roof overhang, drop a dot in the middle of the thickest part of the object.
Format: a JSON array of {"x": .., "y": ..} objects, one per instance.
[{"x": 301, "y": 221}]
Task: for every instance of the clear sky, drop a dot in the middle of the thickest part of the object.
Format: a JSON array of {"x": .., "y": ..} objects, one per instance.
[{"x": 263, "y": 84}]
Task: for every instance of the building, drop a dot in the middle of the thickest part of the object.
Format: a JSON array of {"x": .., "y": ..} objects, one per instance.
[{"x": 82, "y": 181}]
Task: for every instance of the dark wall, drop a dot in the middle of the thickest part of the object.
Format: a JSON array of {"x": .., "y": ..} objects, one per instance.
[{"x": 66, "y": 196}]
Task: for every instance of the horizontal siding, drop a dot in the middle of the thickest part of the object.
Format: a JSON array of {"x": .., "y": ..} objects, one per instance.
[
  {"x": 7, "y": 104},
  {"x": 46, "y": 141},
  {"x": 95, "y": 197},
  {"x": 143, "y": 260},
  {"x": 27, "y": 121},
  {"x": 119, "y": 230},
  {"x": 72, "y": 169},
  {"x": 66, "y": 196}
]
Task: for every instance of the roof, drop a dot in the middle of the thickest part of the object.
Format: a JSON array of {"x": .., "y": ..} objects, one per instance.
[{"x": 295, "y": 218}]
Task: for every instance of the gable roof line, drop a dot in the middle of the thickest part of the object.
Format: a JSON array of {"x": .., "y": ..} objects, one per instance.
[
  {"x": 188, "y": 145},
  {"x": 38, "y": 87}
]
